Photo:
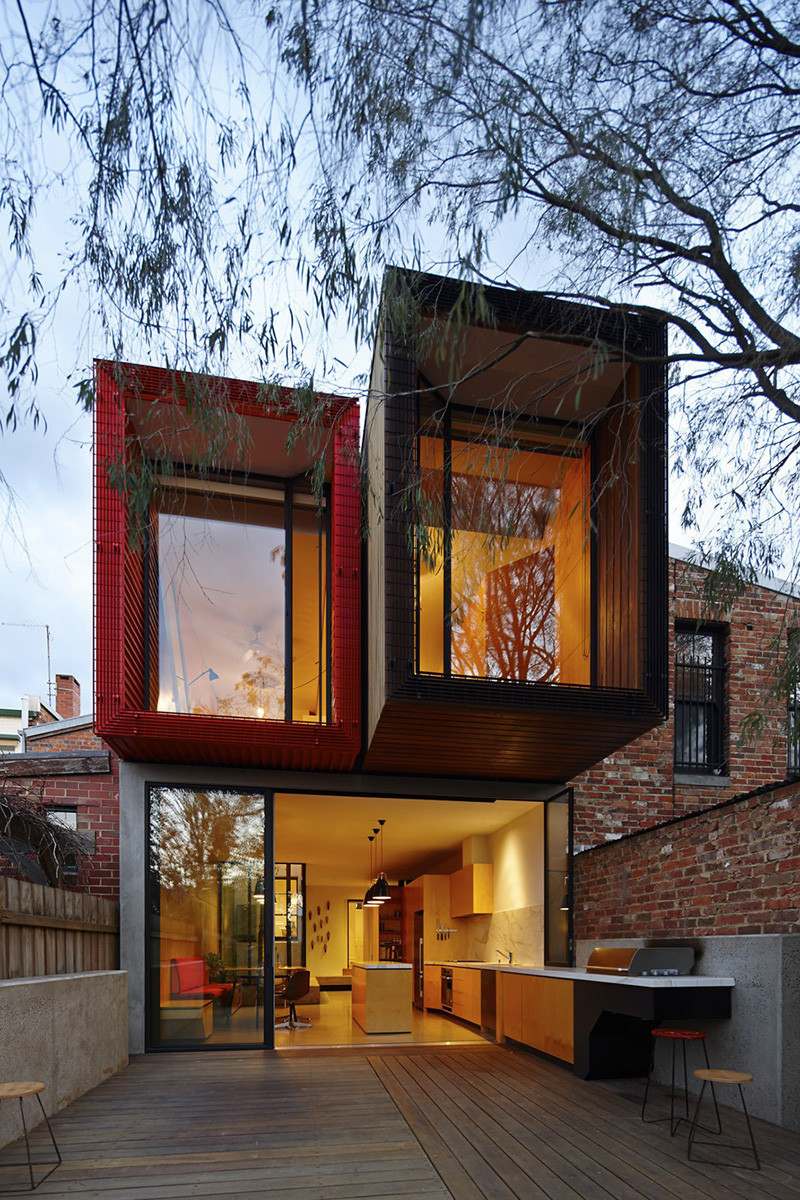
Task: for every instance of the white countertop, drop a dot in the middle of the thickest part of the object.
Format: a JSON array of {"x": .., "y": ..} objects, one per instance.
[
  {"x": 382, "y": 966},
  {"x": 580, "y": 974}
]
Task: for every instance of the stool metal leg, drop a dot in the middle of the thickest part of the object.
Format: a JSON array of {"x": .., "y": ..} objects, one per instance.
[
  {"x": 749, "y": 1129},
  {"x": 711, "y": 1162},
  {"x": 29, "y": 1158},
  {"x": 714, "y": 1098},
  {"x": 27, "y": 1143},
  {"x": 693, "y": 1129},
  {"x": 49, "y": 1129}
]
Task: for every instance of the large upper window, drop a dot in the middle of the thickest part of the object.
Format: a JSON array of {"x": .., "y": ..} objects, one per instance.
[
  {"x": 503, "y": 550},
  {"x": 243, "y": 622},
  {"x": 699, "y": 699}
]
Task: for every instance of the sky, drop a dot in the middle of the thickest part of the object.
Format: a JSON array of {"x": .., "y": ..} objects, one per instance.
[{"x": 46, "y": 515}]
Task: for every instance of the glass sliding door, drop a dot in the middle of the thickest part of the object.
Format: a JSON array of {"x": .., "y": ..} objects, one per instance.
[
  {"x": 558, "y": 948},
  {"x": 209, "y": 899}
]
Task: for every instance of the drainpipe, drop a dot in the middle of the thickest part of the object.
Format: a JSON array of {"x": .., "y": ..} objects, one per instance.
[{"x": 25, "y": 714}]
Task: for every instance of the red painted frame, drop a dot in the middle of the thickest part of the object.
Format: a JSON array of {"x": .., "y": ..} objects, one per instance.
[{"x": 138, "y": 734}]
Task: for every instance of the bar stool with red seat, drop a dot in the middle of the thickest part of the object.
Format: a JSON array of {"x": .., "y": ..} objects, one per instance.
[{"x": 674, "y": 1037}]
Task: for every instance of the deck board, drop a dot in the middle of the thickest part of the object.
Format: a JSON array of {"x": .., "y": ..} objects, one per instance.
[{"x": 436, "y": 1123}]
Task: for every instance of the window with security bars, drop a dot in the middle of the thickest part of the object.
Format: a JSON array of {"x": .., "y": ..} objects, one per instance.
[
  {"x": 699, "y": 700},
  {"x": 793, "y": 712}
]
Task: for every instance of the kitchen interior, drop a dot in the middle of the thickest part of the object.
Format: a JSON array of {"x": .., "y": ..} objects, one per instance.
[{"x": 467, "y": 883}]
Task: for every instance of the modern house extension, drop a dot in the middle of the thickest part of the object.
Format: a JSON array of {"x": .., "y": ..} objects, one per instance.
[
  {"x": 319, "y": 673},
  {"x": 527, "y": 448}
]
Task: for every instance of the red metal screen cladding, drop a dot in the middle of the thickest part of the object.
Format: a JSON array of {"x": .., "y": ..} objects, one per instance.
[{"x": 120, "y": 715}]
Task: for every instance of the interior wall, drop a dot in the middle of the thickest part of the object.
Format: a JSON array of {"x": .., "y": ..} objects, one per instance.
[
  {"x": 517, "y": 924},
  {"x": 328, "y": 954},
  {"x": 517, "y": 851}
]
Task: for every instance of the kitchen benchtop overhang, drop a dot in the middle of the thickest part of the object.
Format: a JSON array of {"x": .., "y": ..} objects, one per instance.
[{"x": 580, "y": 975}]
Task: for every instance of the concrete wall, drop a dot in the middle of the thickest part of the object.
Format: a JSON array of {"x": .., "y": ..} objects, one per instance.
[
  {"x": 69, "y": 1032},
  {"x": 763, "y": 1034}
]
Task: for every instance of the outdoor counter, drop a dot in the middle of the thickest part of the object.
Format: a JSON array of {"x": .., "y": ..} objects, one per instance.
[
  {"x": 599, "y": 1023},
  {"x": 381, "y": 997}
]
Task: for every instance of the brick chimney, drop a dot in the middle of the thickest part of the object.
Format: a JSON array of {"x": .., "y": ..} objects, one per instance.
[{"x": 68, "y": 696}]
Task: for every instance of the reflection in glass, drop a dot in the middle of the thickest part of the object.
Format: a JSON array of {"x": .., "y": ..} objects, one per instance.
[
  {"x": 225, "y": 592},
  {"x": 517, "y": 564},
  {"x": 558, "y": 900},
  {"x": 206, "y": 916},
  {"x": 221, "y": 606},
  {"x": 309, "y": 626},
  {"x": 290, "y": 926}
]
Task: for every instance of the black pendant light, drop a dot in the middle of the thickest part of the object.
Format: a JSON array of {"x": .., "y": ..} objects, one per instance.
[
  {"x": 382, "y": 892},
  {"x": 369, "y": 902}
]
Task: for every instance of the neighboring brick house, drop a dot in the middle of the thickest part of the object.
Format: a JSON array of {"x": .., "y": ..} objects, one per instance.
[
  {"x": 731, "y": 869},
  {"x": 722, "y": 667},
  {"x": 79, "y": 778}
]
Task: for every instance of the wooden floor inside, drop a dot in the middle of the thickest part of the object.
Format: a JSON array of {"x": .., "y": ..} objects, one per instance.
[
  {"x": 332, "y": 1024},
  {"x": 469, "y": 1123}
]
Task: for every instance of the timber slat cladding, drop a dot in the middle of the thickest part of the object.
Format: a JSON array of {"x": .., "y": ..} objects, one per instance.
[
  {"x": 50, "y": 931},
  {"x": 472, "y": 1124}
]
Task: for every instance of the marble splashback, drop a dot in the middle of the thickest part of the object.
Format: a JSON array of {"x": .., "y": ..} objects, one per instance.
[{"x": 519, "y": 931}]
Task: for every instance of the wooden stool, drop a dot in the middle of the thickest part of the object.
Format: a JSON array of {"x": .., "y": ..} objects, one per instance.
[
  {"x": 675, "y": 1036},
  {"x": 721, "y": 1076},
  {"x": 17, "y": 1091}
]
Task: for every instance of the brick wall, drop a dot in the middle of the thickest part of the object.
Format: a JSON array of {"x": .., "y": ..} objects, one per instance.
[
  {"x": 68, "y": 696},
  {"x": 73, "y": 739},
  {"x": 733, "y": 869},
  {"x": 96, "y": 798},
  {"x": 637, "y": 787},
  {"x": 94, "y": 795}
]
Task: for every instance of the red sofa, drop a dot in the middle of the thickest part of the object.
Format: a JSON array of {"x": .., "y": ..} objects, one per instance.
[{"x": 187, "y": 981}]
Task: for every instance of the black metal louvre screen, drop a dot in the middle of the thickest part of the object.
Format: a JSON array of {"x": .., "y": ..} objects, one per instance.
[
  {"x": 793, "y": 756},
  {"x": 793, "y": 712},
  {"x": 699, "y": 700}
]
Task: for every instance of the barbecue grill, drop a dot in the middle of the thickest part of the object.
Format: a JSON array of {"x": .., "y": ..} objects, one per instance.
[{"x": 649, "y": 960}]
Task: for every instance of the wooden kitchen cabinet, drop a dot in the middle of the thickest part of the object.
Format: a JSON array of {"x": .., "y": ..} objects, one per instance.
[
  {"x": 432, "y": 987},
  {"x": 472, "y": 890},
  {"x": 547, "y": 1016},
  {"x": 512, "y": 1005},
  {"x": 538, "y": 1012},
  {"x": 467, "y": 994}
]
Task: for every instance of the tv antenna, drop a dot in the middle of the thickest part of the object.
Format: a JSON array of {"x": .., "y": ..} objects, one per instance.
[{"x": 46, "y": 628}]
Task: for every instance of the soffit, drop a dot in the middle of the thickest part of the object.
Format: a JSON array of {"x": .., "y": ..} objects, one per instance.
[
  {"x": 538, "y": 377},
  {"x": 330, "y": 833},
  {"x": 255, "y": 444}
]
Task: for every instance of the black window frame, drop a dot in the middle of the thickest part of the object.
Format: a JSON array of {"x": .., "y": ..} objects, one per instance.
[
  {"x": 290, "y": 487},
  {"x": 152, "y": 920},
  {"x": 701, "y": 691},
  {"x": 431, "y": 403},
  {"x": 793, "y": 706}
]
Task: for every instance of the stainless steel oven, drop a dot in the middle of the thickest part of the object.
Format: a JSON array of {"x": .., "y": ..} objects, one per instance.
[{"x": 447, "y": 989}]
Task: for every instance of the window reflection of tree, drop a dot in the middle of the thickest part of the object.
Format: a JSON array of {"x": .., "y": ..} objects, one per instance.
[
  {"x": 194, "y": 831},
  {"x": 503, "y": 579},
  {"x": 259, "y": 692}
]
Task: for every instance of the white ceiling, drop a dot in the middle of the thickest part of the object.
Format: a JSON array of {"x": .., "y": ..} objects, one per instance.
[{"x": 329, "y": 833}]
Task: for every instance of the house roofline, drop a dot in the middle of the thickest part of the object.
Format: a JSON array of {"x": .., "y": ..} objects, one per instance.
[
  {"x": 62, "y": 725},
  {"x": 694, "y": 558}
]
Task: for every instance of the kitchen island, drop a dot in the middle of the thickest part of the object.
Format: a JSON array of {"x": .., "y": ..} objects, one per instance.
[
  {"x": 381, "y": 997},
  {"x": 599, "y": 1024}
]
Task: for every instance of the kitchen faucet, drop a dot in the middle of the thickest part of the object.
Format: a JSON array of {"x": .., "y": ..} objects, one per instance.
[{"x": 510, "y": 954}]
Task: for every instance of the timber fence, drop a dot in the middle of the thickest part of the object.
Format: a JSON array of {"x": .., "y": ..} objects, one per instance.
[{"x": 48, "y": 931}]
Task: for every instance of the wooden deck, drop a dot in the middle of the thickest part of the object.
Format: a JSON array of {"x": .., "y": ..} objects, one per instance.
[{"x": 469, "y": 1123}]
